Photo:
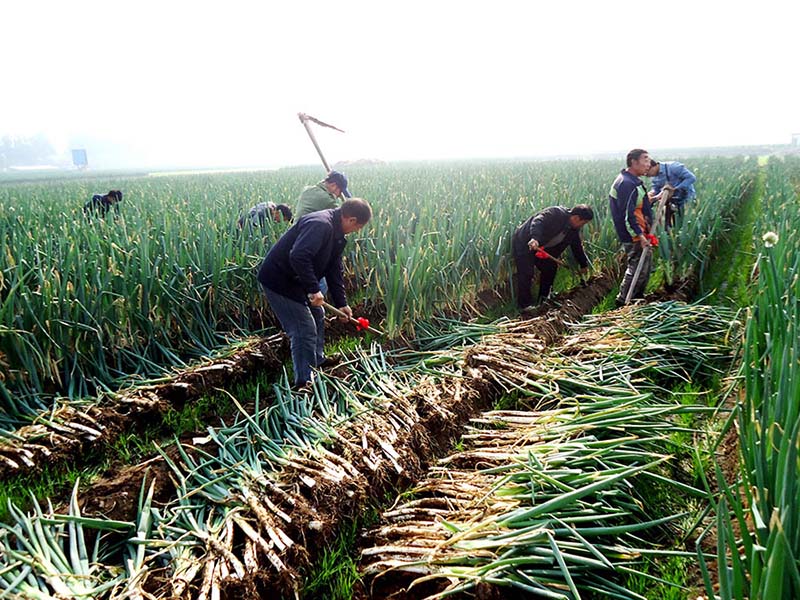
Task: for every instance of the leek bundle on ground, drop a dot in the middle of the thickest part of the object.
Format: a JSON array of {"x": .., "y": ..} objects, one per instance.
[
  {"x": 253, "y": 496},
  {"x": 545, "y": 501}
]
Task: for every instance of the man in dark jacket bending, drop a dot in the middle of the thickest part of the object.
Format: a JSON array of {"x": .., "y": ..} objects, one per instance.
[
  {"x": 310, "y": 250},
  {"x": 100, "y": 204},
  {"x": 551, "y": 231}
]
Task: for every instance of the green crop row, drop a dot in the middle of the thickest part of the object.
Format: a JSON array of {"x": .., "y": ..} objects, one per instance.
[
  {"x": 85, "y": 303},
  {"x": 758, "y": 525}
]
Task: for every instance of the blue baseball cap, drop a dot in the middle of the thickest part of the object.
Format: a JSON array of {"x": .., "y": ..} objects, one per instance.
[{"x": 340, "y": 180}]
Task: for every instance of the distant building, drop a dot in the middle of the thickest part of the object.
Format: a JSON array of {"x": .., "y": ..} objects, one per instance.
[
  {"x": 79, "y": 158},
  {"x": 796, "y": 139}
]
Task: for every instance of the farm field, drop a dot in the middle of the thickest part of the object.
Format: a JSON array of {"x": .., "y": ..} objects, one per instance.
[{"x": 151, "y": 447}]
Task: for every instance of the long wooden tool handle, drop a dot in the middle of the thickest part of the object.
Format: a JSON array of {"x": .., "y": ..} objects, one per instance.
[
  {"x": 339, "y": 313},
  {"x": 304, "y": 120},
  {"x": 666, "y": 196},
  {"x": 558, "y": 261},
  {"x": 637, "y": 274},
  {"x": 662, "y": 206}
]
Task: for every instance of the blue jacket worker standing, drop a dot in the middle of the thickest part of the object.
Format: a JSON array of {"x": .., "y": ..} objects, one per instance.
[
  {"x": 100, "y": 204},
  {"x": 289, "y": 275},
  {"x": 679, "y": 178},
  {"x": 551, "y": 230},
  {"x": 630, "y": 207}
]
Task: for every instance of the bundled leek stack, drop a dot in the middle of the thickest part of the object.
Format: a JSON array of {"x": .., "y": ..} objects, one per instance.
[
  {"x": 545, "y": 501},
  {"x": 541, "y": 501},
  {"x": 254, "y": 496}
]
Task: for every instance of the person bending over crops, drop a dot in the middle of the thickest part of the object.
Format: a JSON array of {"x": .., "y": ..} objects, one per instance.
[
  {"x": 290, "y": 274},
  {"x": 538, "y": 243},
  {"x": 264, "y": 211},
  {"x": 100, "y": 204},
  {"x": 322, "y": 196},
  {"x": 630, "y": 206},
  {"x": 675, "y": 176}
]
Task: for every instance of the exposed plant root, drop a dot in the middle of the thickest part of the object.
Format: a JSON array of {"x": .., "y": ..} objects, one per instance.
[
  {"x": 276, "y": 527},
  {"x": 71, "y": 431}
]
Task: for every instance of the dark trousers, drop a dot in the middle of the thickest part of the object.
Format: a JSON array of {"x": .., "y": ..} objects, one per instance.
[
  {"x": 526, "y": 266},
  {"x": 674, "y": 209},
  {"x": 634, "y": 254},
  {"x": 305, "y": 326}
]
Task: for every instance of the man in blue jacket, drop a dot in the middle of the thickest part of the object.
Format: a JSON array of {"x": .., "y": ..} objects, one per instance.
[
  {"x": 310, "y": 250},
  {"x": 630, "y": 207},
  {"x": 679, "y": 178},
  {"x": 551, "y": 230}
]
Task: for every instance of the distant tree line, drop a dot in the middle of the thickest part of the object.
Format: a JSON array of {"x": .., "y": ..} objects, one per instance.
[{"x": 18, "y": 151}]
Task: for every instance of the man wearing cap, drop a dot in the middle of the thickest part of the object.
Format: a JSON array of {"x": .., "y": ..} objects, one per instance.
[{"x": 322, "y": 196}]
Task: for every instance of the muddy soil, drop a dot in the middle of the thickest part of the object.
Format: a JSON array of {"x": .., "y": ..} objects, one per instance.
[
  {"x": 439, "y": 414},
  {"x": 80, "y": 435},
  {"x": 76, "y": 432}
]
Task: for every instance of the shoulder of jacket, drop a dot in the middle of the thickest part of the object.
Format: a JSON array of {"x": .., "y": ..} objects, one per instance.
[{"x": 320, "y": 219}]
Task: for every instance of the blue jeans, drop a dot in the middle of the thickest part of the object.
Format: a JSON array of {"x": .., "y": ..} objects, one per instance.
[{"x": 305, "y": 326}]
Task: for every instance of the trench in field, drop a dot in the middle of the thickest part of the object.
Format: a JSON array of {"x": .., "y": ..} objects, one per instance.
[
  {"x": 439, "y": 520},
  {"x": 437, "y": 425},
  {"x": 115, "y": 497},
  {"x": 424, "y": 447},
  {"x": 731, "y": 285},
  {"x": 440, "y": 413},
  {"x": 80, "y": 439},
  {"x": 78, "y": 434},
  {"x": 435, "y": 415},
  {"x": 733, "y": 255},
  {"x": 118, "y": 427}
]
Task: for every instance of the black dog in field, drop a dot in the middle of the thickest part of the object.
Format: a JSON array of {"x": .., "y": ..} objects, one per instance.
[{"x": 100, "y": 204}]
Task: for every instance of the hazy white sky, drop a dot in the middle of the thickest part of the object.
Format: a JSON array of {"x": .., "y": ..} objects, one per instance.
[{"x": 220, "y": 83}]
